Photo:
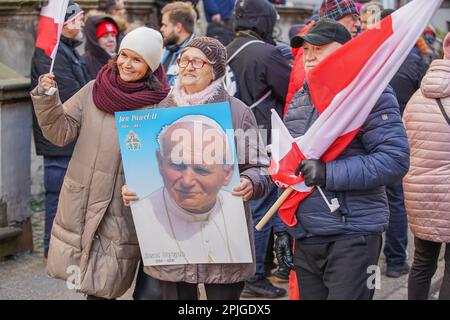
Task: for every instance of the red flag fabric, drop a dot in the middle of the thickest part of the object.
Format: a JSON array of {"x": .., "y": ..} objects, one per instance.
[{"x": 50, "y": 26}]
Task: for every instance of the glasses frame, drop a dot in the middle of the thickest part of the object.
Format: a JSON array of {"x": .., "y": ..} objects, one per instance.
[{"x": 191, "y": 61}]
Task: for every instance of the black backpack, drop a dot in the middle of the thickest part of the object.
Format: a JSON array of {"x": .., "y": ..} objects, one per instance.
[
  {"x": 230, "y": 80},
  {"x": 218, "y": 31}
]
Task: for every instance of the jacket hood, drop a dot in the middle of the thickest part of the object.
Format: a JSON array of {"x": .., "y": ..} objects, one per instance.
[
  {"x": 436, "y": 83},
  {"x": 257, "y": 15},
  {"x": 90, "y": 31}
]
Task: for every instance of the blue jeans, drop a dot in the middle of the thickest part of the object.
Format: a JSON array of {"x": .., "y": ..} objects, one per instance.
[
  {"x": 397, "y": 233},
  {"x": 54, "y": 171},
  {"x": 259, "y": 208}
]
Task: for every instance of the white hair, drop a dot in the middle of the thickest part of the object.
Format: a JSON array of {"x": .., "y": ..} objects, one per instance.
[{"x": 193, "y": 120}]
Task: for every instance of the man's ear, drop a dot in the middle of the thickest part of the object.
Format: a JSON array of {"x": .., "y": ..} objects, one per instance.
[
  {"x": 229, "y": 175},
  {"x": 179, "y": 27}
]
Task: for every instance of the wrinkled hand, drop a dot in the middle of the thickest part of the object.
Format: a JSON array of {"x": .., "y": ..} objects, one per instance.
[
  {"x": 46, "y": 82},
  {"x": 244, "y": 189},
  {"x": 283, "y": 250},
  {"x": 128, "y": 196},
  {"x": 313, "y": 171}
]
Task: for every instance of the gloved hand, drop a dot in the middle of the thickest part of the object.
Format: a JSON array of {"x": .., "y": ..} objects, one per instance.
[
  {"x": 314, "y": 172},
  {"x": 283, "y": 250}
]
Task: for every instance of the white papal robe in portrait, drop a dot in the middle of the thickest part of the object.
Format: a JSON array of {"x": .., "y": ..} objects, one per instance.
[{"x": 169, "y": 234}]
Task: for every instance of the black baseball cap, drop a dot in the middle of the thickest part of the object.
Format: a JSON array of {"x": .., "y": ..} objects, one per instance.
[{"x": 325, "y": 31}]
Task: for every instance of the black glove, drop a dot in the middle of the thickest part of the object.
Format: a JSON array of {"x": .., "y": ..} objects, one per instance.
[
  {"x": 314, "y": 172},
  {"x": 283, "y": 250}
]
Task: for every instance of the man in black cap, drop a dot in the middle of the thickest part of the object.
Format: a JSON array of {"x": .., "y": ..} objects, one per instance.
[
  {"x": 336, "y": 253},
  {"x": 71, "y": 75},
  {"x": 322, "y": 40}
]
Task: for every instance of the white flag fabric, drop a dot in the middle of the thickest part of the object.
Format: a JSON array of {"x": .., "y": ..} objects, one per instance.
[{"x": 50, "y": 26}]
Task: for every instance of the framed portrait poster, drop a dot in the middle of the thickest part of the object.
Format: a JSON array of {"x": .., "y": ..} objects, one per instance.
[{"x": 182, "y": 164}]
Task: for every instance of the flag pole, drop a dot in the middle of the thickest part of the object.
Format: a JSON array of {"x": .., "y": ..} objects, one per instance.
[
  {"x": 53, "y": 60},
  {"x": 274, "y": 208},
  {"x": 60, "y": 27},
  {"x": 63, "y": 9}
]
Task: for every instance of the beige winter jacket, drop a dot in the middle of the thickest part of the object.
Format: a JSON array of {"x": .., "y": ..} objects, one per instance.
[
  {"x": 427, "y": 184},
  {"x": 93, "y": 235},
  {"x": 253, "y": 165}
]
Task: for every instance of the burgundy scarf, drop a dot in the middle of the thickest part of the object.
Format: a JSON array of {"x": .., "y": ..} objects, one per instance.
[{"x": 112, "y": 94}]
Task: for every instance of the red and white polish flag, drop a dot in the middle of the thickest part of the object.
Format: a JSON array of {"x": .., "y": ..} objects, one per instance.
[
  {"x": 50, "y": 26},
  {"x": 344, "y": 89}
]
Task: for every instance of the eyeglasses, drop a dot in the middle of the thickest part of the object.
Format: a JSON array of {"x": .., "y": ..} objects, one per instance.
[{"x": 197, "y": 63}]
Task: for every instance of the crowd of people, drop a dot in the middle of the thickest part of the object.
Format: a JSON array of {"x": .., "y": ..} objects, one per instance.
[{"x": 394, "y": 175}]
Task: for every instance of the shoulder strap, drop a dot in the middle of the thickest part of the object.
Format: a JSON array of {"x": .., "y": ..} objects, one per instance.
[
  {"x": 443, "y": 111},
  {"x": 245, "y": 45},
  {"x": 268, "y": 93}
]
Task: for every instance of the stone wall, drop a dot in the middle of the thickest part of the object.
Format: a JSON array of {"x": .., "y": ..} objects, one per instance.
[
  {"x": 18, "y": 20},
  {"x": 17, "y": 33},
  {"x": 17, "y": 38},
  {"x": 142, "y": 12},
  {"x": 15, "y": 133},
  {"x": 15, "y": 130}
]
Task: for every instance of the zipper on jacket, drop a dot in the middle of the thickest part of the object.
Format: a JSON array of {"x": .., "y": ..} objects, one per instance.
[{"x": 343, "y": 203}]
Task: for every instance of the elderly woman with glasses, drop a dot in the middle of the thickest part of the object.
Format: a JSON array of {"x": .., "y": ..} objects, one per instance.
[{"x": 202, "y": 69}]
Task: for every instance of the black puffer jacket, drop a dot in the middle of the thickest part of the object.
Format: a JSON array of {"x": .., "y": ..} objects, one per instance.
[
  {"x": 95, "y": 57},
  {"x": 260, "y": 67},
  {"x": 70, "y": 75}
]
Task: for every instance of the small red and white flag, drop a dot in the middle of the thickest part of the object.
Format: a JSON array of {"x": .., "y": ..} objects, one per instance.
[
  {"x": 344, "y": 89},
  {"x": 50, "y": 26}
]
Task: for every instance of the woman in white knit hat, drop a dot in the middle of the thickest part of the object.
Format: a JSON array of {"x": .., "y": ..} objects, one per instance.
[{"x": 93, "y": 243}]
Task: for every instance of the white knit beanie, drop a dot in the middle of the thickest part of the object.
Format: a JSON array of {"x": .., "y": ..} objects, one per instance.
[{"x": 146, "y": 42}]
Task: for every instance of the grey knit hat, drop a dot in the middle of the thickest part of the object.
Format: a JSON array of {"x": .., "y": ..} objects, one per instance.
[{"x": 213, "y": 50}]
